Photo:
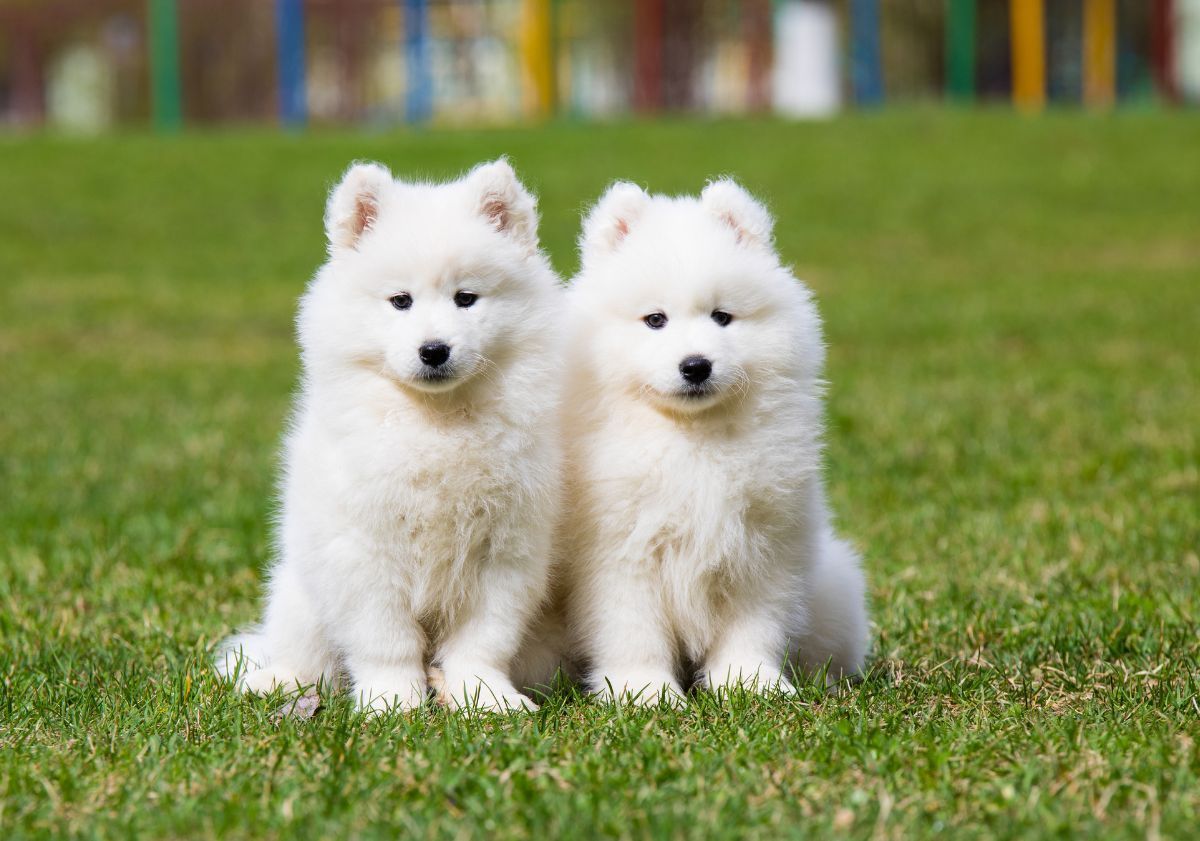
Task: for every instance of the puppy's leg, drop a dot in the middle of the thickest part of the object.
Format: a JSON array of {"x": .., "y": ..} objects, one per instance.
[
  {"x": 476, "y": 655},
  {"x": 832, "y": 628},
  {"x": 383, "y": 642},
  {"x": 386, "y": 659},
  {"x": 627, "y": 638},
  {"x": 289, "y": 650},
  {"x": 750, "y": 648}
]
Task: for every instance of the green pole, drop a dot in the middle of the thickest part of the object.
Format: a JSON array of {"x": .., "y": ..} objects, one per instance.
[
  {"x": 164, "y": 65},
  {"x": 960, "y": 49}
]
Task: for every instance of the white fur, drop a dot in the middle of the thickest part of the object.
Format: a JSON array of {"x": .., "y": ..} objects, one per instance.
[
  {"x": 696, "y": 533},
  {"x": 416, "y": 515}
]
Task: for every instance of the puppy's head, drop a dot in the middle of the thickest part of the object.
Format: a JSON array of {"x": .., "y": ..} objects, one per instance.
[
  {"x": 684, "y": 300},
  {"x": 426, "y": 284}
]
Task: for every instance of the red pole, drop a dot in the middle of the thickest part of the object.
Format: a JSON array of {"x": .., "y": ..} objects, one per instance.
[
  {"x": 29, "y": 82},
  {"x": 1162, "y": 48},
  {"x": 346, "y": 20},
  {"x": 648, "y": 54},
  {"x": 756, "y": 20},
  {"x": 680, "y": 49}
]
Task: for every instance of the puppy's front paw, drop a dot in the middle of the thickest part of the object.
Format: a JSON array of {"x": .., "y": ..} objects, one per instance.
[
  {"x": 464, "y": 691},
  {"x": 389, "y": 691},
  {"x": 726, "y": 677},
  {"x": 640, "y": 689}
]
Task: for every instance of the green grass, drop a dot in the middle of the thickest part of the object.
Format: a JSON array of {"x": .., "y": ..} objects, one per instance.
[{"x": 1013, "y": 308}]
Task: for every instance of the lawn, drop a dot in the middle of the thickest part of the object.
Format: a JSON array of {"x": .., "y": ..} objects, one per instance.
[{"x": 1013, "y": 310}]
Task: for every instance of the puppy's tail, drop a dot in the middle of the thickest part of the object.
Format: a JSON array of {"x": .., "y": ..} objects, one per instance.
[
  {"x": 834, "y": 629},
  {"x": 241, "y": 654}
]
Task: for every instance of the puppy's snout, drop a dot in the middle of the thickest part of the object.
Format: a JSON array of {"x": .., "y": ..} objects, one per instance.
[
  {"x": 434, "y": 354},
  {"x": 695, "y": 369}
]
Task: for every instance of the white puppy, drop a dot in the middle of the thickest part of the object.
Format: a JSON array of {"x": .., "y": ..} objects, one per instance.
[
  {"x": 421, "y": 471},
  {"x": 697, "y": 536}
]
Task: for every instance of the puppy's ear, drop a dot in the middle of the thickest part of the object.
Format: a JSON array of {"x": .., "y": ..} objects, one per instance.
[
  {"x": 502, "y": 200},
  {"x": 353, "y": 205},
  {"x": 750, "y": 221},
  {"x": 609, "y": 222}
]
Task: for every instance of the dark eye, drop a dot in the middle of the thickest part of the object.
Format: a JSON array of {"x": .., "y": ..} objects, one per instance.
[
  {"x": 465, "y": 299},
  {"x": 656, "y": 320},
  {"x": 721, "y": 317},
  {"x": 402, "y": 301}
]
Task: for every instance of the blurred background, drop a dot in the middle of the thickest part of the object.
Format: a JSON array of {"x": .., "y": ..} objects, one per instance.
[
  {"x": 1011, "y": 308},
  {"x": 92, "y": 65}
]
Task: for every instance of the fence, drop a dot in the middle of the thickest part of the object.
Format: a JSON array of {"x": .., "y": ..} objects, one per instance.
[{"x": 97, "y": 63}]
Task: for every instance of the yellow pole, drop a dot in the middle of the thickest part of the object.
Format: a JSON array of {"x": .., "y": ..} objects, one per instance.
[
  {"x": 537, "y": 57},
  {"x": 1027, "y": 19},
  {"x": 1099, "y": 52}
]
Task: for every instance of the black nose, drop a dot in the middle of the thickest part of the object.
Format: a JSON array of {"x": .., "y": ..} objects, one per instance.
[
  {"x": 434, "y": 354},
  {"x": 695, "y": 369}
]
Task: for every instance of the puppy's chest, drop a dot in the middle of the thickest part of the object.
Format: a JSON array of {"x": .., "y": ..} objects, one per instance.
[
  {"x": 700, "y": 511},
  {"x": 439, "y": 481}
]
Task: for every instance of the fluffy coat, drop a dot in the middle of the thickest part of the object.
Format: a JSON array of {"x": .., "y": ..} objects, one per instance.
[
  {"x": 697, "y": 542},
  {"x": 417, "y": 499}
]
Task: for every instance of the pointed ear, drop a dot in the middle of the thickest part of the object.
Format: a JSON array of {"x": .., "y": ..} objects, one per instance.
[
  {"x": 353, "y": 204},
  {"x": 503, "y": 201},
  {"x": 609, "y": 222},
  {"x": 733, "y": 206}
]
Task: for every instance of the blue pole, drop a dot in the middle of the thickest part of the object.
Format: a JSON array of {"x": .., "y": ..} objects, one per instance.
[
  {"x": 289, "y": 34},
  {"x": 418, "y": 104},
  {"x": 866, "y": 71}
]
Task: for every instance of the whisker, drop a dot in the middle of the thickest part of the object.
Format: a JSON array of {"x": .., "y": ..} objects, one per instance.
[
  {"x": 741, "y": 383},
  {"x": 487, "y": 369}
]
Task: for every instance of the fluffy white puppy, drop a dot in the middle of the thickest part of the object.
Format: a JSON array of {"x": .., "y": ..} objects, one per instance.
[
  {"x": 697, "y": 541},
  {"x": 421, "y": 470}
]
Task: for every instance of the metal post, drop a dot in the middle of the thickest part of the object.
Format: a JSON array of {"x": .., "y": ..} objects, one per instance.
[
  {"x": 419, "y": 101},
  {"x": 164, "y": 65},
  {"x": 960, "y": 49},
  {"x": 866, "y": 67},
  {"x": 537, "y": 56},
  {"x": 1163, "y": 49},
  {"x": 289, "y": 37},
  {"x": 1028, "y": 23},
  {"x": 648, "y": 55}
]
